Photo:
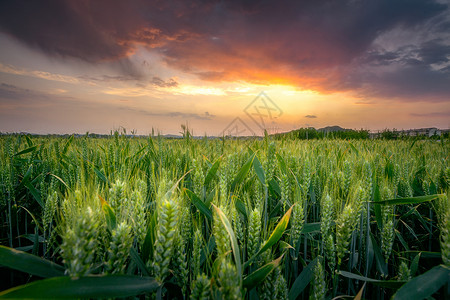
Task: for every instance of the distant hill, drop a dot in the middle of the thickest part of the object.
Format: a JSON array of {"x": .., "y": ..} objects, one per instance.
[{"x": 332, "y": 129}]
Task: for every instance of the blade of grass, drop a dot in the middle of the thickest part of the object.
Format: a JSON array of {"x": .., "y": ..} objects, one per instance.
[
  {"x": 107, "y": 286},
  {"x": 259, "y": 275},
  {"x": 199, "y": 204},
  {"x": 234, "y": 242},
  {"x": 302, "y": 280},
  {"x": 425, "y": 285},
  {"x": 392, "y": 284},
  {"x": 28, "y": 263},
  {"x": 410, "y": 200},
  {"x": 275, "y": 236}
]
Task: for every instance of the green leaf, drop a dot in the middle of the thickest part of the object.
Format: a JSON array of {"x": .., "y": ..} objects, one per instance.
[
  {"x": 25, "y": 248},
  {"x": 413, "y": 143},
  {"x": 302, "y": 280},
  {"x": 174, "y": 186},
  {"x": 415, "y": 264},
  {"x": 424, "y": 254},
  {"x": 138, "y": 261},
  {"x": 353, "y": 148},
  {"x": 29, "y": 263},
  {"x": 410, "y": 200},
  {"x": 259, "y": 170},
  {"x": 392, "y": 284},
  {"x": 212, "y": 171},
  {"x": 108, "y": 286},
  {"x": 109, "y": 214},
  {"x": 242, "y": 172},
  {"x": 210, "y": 197},
  {"x": 275, "y": 236},
  {"x": 234, "y": 242},
  {"x": 401, "y": 239},
  {"x": 285, "y": 246},
  {"x": 62, "y": 181},
  {"x": 273, "y": 184},
  {"x": 36, "y": 194},
  {"x": 26, "y": 177},
  {"x": 240, "y": 206},
  {"x": 311, "y": 227},
  {"x": 100, "y": 175},
  {"x": 29, "y": 141},
  {"x": 28, "y": 150},
  {"x": 425, "y": 285},
  {"x": 149, "y": 240},
  {"x": 379, "y": 258},
  {"x": 259, "y": 275},
  {"x": 201, "y": 206}
]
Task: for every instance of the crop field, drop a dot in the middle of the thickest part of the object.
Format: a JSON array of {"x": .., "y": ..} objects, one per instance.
[{"x": 157, "y": 218}]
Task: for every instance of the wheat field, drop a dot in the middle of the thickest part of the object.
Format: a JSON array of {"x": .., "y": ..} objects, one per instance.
[{"x": 150, "y": 217}]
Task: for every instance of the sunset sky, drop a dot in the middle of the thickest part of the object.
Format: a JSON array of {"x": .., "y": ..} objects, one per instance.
[{"x": 77, "y": 66}]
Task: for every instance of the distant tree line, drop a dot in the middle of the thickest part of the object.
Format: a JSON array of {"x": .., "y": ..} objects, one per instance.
[
  {"x": 386, "y": 134},
  {"x": 312, "y": 133}
]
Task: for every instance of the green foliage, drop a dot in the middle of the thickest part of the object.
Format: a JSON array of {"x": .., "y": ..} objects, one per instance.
[{"x": 238, "y": 219}]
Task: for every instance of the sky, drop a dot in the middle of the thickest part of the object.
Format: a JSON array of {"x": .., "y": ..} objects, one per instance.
[{"x": 223, "y": 67}]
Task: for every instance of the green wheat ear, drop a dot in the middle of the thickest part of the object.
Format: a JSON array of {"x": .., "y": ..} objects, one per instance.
[
  {"x": 165, "y": 235},
  {"x": 221, "y": 236},
  {"x": 327, "y": 232},
  {"x": 297, "y": 222},
  {"x": 119, "y": 248},
  {"x": 229, "y": 281},
  {"x": 281, "y": 288},
  {"x": 196, "y": 253},
  {"x": 179, "y": 264},
  {"x": 80, "y": 243},
  {"x": 344, "y": 228},
  {"x": 138, "y": 212},
  {"x": 117, "y": 194},
  {"x": 285, "y": 190},
  {"x": 254, "y": 232},
  {"x": 237, "y": 225},
  {"x": 49, "y": 209},
  {"x": 403, "y": 272},
  {"x": 387, "y": 232},
  {"x": 445, "y": 239},
  {"x": 319, "y": 284},
  {"x": 267, "y": 289},
  {"x": 201, "y": 288}
]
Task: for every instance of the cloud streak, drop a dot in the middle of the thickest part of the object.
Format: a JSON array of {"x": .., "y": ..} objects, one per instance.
[{"x": 445, "y": 114}]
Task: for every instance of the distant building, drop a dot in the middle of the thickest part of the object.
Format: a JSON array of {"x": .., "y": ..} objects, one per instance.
[{"x": 429, "y": 132}]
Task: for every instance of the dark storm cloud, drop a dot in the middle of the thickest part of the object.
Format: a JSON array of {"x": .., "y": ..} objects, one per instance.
[
  {"x": 434, "y": 52},
  {"x": 320, "y": 45},
  {"x": 64, "y": 28},
  {"x": 412, "y": 73},
  {"x": 414, "y": 83}
]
